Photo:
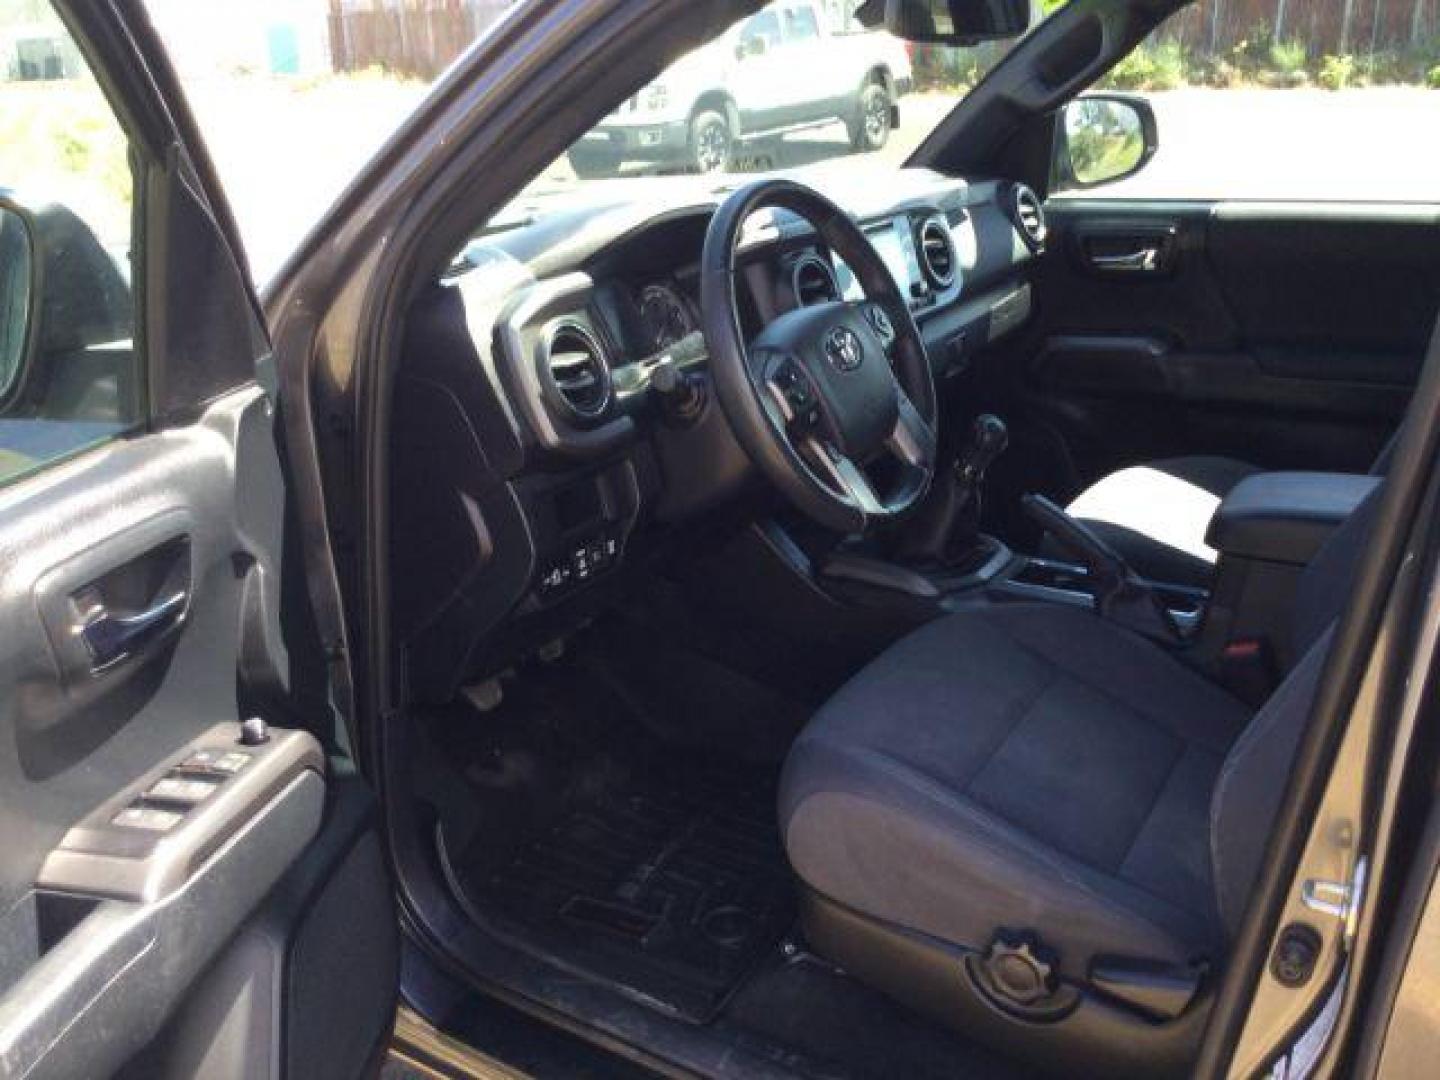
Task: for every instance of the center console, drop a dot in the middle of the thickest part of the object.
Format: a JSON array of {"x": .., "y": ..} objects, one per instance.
[
  {"x": 1267, "y": 530},
  {"x": 942, "y": 560},
  {"x": 999, "y": 575},
  {"x": 1036, "y": 578}
]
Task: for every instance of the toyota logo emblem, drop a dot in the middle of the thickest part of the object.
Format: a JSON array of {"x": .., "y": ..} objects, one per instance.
[{"x": 843, "y": 349}]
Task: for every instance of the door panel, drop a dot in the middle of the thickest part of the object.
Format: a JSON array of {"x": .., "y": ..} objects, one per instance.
[
  {"x": 306, "y": 988},
  {"x": 108, "y": 923},
  {"x": 1288, "y": 335},
  {"x": 164, "y": 866}
]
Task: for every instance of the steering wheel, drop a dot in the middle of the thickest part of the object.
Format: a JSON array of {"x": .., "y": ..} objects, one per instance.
[{"x": 834, "y": 402}]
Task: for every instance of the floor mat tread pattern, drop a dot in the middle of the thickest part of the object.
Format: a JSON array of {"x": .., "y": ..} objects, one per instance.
[{"x": 672, "y": 885}]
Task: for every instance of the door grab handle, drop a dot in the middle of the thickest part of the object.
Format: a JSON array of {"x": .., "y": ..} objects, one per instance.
[
  {"x": 112, "y": 638},
  {"x": 1146, "y": 260}
]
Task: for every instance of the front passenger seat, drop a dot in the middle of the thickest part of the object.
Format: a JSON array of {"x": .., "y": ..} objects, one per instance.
[
  {"x": 1156, "y": 514},
  {"x": 1024, "y": 819}
]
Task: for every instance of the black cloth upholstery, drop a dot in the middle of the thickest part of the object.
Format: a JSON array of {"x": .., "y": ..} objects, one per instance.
[
  {"x": 1033, "y": 767},
  {"x": 1248, "y": 791},
  {"x": 1155, "y": 515},
  {"x": 1029, "y": 767}
]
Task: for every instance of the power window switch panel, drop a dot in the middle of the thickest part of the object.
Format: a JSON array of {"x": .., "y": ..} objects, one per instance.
[
  {"x": 225, "y": 762},
  {"x": 181, "y": 789},
  {"x": 149, "y": 818},
  {"x": 231, "y": 762}
]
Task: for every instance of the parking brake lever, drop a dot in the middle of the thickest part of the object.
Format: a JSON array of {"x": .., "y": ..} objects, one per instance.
[{"x": 1121, "y": 595}]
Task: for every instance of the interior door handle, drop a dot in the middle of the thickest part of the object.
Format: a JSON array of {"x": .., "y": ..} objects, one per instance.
[
  {"x": 1145, "y": 260},
  {"x": 112, "y": 638}
]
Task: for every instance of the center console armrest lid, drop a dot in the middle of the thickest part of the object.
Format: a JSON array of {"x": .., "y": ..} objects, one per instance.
[{"x": 1285, "y": 517}]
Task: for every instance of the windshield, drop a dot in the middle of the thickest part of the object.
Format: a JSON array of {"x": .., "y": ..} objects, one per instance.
[
  {"x": 294, "y": 96},
  {"x": 799, "y": 84}
]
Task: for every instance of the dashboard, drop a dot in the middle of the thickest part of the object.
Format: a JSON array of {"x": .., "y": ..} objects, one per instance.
[
  {"x": 540, "y": 450},
  {"x": 667, "y": 314}
]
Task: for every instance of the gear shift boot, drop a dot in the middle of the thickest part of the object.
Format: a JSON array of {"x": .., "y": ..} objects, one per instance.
[{"x": 945, "y": 534}]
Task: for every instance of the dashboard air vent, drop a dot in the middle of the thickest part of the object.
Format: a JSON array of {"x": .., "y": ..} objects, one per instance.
[
  {"x": 1030, "y": 217},
  {"x": 937, "y": 254},
  {"x": 814, "y": 282},
  {"x": 579, "y": 370}
]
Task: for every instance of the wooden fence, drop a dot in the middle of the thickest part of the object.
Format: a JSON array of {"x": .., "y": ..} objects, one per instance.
[
  {"x": 422, "y": 37},
  {"x": 408, "y": 37},
  {"x": 1213, "y": 27}
]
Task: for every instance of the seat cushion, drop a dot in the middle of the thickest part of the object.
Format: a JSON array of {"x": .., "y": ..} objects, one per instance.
[
  {"x": 1156, "y": 515},
  {"x": 1028, "y": 767}
]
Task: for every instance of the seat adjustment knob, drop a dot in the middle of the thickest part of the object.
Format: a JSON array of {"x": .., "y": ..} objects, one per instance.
[{"x": 1017, "y": 970}]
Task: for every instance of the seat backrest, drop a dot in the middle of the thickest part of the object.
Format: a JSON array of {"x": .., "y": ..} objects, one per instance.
[
  {"x": 1381, "y": 465},
  {"x": 1252, "y": 781}
]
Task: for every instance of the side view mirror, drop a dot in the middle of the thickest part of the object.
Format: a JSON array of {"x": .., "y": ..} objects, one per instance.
[
  {"x": 1101, "y": 138},
  {"x": 20, "y": 295},
  {"x": 948, "y": 22}
]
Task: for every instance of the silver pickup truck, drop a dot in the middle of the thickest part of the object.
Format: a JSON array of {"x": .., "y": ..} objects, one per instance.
[{"x": 794, "y": 64}]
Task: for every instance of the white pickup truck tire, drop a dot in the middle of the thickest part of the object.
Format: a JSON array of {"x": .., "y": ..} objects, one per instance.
[
  {"x": 712, "y": 142},
  {"x": 870, "y": 127},
  {"x": 593, "y": 162}
]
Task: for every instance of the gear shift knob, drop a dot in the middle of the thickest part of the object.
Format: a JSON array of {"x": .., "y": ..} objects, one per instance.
[
  {"x": 947, "y": 533},
  {"x": 988, "y": 439}
]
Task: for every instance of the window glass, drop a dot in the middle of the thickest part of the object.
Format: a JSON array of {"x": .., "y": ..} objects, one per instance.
[
  {"x": 1289, "y": 100},
  {"x": 764, "y": 27},
  {"x": 729, "y": 107},
  {"x": 69, "y": 374},
  {"x": 294, "y": 96},
  {"x": 800, "y": 24}
]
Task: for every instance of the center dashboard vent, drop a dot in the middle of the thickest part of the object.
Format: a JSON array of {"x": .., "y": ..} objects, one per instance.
[
  {"x": 938, "y": 257},
  {"x": 1030, "y": 217},
  {"x": 814, "y": 282},
  {"x": 578, "y": 370}
]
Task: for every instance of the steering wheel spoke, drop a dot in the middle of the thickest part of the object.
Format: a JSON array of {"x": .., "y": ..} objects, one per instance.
[
  {"x": 913, "y": 439},
  {"x": 880, "y": 322},
  {"x": 847, "y": 478}
]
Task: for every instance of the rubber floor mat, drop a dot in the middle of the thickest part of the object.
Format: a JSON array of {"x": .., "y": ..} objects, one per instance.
[{"x": 672, "y": 888}]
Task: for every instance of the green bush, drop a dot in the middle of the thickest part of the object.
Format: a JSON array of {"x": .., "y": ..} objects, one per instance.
[
  {"x": 948, "y": 70},
  {"x": 1336, "y": 72},
  {"x": 1395, "y": 67},
  {"x": 1289, "y": 57},
  {"x": 1133, "y": 72},
  {"x": 1161, "y": 62},
  {"x": 1162, "y": 66},
  {"x": 1252, "y": 53}
]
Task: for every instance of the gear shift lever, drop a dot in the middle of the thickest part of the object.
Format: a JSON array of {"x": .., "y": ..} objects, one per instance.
[
  {"x": 945, "y": 532},
  {"x": 1120, "y": 594},
  {"x": 988, "y": 439}
]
